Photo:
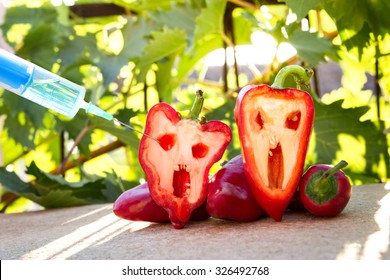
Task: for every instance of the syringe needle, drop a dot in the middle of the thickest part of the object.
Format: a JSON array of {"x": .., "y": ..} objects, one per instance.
[{"x": 135, "y": 130}]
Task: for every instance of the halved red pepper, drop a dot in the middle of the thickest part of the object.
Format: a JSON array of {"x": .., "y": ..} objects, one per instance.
[
  {"x": 274, "y": 126},
  {"x": 178, "y": 163}
]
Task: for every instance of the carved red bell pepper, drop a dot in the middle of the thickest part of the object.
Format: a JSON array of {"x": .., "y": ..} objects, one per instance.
[
  {"x": 177, "y": 161},
  {"x": 274, "y": 126}
]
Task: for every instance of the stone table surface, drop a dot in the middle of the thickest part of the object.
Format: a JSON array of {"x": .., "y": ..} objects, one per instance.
[{"x": 362, "y": 231}]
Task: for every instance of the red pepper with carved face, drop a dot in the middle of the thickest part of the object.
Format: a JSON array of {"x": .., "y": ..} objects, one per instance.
[
  {"x": 176, "y": 154},
  {"x": 274, "y": 126}
]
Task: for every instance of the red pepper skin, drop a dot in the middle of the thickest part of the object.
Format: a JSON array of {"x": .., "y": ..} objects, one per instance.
[
  {"x": 331, "y": 205},
  {"x": 136, "y": 204},
  {"x": 177, "y": 166},
  {"x": 295, "y": 202},
  {"x": 274, "y": 126},
  {"x": 230, "y": 196}
]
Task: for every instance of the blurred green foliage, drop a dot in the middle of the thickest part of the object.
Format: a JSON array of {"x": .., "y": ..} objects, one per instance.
[{"x": 157, "y": 51}]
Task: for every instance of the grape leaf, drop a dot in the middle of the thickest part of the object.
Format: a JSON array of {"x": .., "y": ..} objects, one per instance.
[
  {"x": 210, "y": 21},
  {"x": 333, "y": 123},
  {"x": 301, "y": 8},
  {"x": 164, "y": 85},
  {"x": 53, "y": 191},
  {"x": 311, "y": 48},
  {"x": 135, "y": 35},
  {"x": 162, "y": 49},
  {"x": 44, "y": 34},
  {"x": 14, "y": 150},
  {"x": 24, "y": 118},
  {"x": 145, "y": 5},
  {"x": 22, "y": 14},
  {"x": 163, "y": 44},
  {"x": 206, "y": 38},
  {"x": 80, "y": 48},
  {"x": 179, "y": 16},
  {"x": 126, "y": 135}
]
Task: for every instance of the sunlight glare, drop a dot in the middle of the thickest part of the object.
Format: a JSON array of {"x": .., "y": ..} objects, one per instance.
[
  {"x": 56, "y": 3},
  {"x": 93, "y": 233},
  {"x": 378, "y": 242},
  {"x": 59, "y": 2},
  {"x": 261, "y": 52},
  {"x": 285, "y": 51}
]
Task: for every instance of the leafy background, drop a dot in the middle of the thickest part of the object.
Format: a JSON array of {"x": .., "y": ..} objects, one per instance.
[{"x": 156, "y": 51}]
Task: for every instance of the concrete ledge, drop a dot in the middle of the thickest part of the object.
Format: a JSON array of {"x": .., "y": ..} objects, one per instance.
[{"x": 362, "y": 231}]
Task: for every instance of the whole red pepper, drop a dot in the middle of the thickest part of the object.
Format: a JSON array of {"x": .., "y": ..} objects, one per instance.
[
  {"x": 229, "y": 195},
  {"x": 136, "y": 204},
  {"x": 176, "y": 155},
  {"x": 325, "y": 190},
  {"x": 274, "y": 126}
]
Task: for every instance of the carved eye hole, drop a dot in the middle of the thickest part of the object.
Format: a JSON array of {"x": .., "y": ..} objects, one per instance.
[
  {"x": 293, "y": 120},
  {"x": 199, "y": 150},
  {"x": 167, "y": 141},
  {"x": 259, "y": 120}
]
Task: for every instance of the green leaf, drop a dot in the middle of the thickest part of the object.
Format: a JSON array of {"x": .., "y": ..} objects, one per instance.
[
  {"x": 27, "y": 15},
  {"x": 14, "y": 184},
  {"x": 311, "y": 48},
  {"x": 179, "y": 16},
  {"x": 24, "y": 118},
  {"x": 339, "y": 134},
  {"x": 52, "y": 191},
  {"x": 162, "y": 45},
  {"x": 207, "y": 36},
  {"x": 44, "y": 34},
  {"x": 126, "y": 135},
  {"x": 210, "y": 21},
  {"x": 301, "y": 8},
  {"x": 9, "y": 149},
  {"x": 136, "y": 33},
  {"x": 164, "y": 83},
  {"x": 116, "y": 186},
  {"x": 145, "y": 5},
  {"x": 77, "y": 48},
  {"x": 348, "y": 14}
]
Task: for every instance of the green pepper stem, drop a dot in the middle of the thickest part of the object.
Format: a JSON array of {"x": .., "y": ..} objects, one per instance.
[
  {"x": 197, "y": 106},
  {"x": 302, "y": 75},
  {"x": 332, "y": 171}
]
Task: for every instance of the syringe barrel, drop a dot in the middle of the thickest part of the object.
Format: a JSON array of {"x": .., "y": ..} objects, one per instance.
[
  {"x": 15, "y": 73},
  {"x": 39, "y": 85}
]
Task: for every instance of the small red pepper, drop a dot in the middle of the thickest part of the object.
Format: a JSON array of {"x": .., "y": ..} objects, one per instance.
[
  {"x": 177, "y": 161},
  {"x": 274, "y": 126},
  {"x": 325, "y": 190}
]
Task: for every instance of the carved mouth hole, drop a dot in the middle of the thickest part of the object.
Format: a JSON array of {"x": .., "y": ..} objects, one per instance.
[
  {"x": 275, "y": 168},
  {"x": 181, "y": 181}
]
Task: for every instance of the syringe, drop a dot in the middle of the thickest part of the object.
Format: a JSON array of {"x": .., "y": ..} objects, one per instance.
[{"x": 47, "y": 89}]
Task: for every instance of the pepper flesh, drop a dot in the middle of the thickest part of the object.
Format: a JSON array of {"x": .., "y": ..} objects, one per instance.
[
  {"x": 177, "y": 165},
  {"x": 274, "y": 126}
]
